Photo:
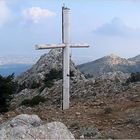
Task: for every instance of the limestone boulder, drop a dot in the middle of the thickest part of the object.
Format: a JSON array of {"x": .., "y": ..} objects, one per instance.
[{"x": 32, "y": 127}]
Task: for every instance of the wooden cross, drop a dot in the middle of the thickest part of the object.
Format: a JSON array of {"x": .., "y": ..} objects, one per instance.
[{"x": 66, "y": 55}]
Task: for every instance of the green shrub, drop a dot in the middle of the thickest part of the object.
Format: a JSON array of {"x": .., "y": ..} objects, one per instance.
[
  {"x": 51, "y": 76},
  {"x": 37, "y": 99},
  {"x": 24, "y": 85},
  {"x": 21, "y": 87},
  {"x": 108, "y": 110},
  {"x": 49, "y": 84},
  {"x": 54, "y": 75},
  {"x": 26, "y": 102},
  {"x": 71, "y": 74},
  {"x": 34, "y": 101},
  {"x": 87, "y": 76},
  {"x": 35, "y": 85},
  {"x": 7, "y": 88},
  {"x": 75, "y": 125},
  {"x": 135, "y": 77}
]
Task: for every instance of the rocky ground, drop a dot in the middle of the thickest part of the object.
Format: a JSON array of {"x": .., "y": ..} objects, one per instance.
[{"x": 115, "y": 116}]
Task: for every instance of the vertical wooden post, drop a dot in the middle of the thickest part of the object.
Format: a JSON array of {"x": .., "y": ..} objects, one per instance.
[{"x": 66, "y": 57}]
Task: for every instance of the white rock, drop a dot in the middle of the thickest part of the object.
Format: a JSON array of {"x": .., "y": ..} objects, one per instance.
[{"x": 31, "y": 127}]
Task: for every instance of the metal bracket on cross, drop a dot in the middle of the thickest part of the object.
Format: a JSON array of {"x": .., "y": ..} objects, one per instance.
[{"x": 66, "y": 56}]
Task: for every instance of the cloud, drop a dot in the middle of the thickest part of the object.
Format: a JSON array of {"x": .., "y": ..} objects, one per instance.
[
  {"x": 37, "y": 14},
  {"x": 4, "y": 13},
  {"x": 115, "y": 27}
]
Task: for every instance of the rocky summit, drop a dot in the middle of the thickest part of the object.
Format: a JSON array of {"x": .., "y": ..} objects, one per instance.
[
  {"x": 110, "y": 63},
  {"x": 31, "y": 83},
  {"x": 106, "y": 106},
  {"x": 52, "y": 60}
]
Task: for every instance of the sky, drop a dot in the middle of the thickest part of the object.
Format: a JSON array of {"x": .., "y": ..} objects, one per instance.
[{"x": 108, "y": 26}]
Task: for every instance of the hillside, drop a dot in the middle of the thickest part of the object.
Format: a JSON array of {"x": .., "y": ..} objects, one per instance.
[
  {"x": 102, "y": 109},
  {"x": 110, "y": 63},
  {"x": 31, "y": 83}
]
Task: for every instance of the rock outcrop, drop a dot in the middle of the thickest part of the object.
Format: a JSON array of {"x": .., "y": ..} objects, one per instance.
[
  {"x": 31, "y": 127},
  {"x": 32, "y": 81},
  {"x": 52, "y": 60},
  {"x": 110, "y": 63}
]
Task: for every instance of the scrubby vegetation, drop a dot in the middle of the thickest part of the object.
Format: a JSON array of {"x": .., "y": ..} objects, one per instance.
[
  {"x": 34, "y": 101},
  {"x": 7, "y": 88},
  {"x": 35, "y": 85},
  {"x": 71, "y": 74},
  {"x": 107, "y": 110},
  {"x": 54, "y": 75},
  {"x": 48, "y": 81},
  {"x": 87, "y": 76},
  {"x": 21, "y": 87},
  {"x": 51, "y": 76},
  {"x": 32, "y": 85},
  {"x": 135, "y": 77}
]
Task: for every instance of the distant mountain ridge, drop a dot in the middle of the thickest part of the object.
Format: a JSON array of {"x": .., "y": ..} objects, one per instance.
[
  {"x": 17, "y": 69},
  {"x": 15, "y": 64},
  {"x": 111, "y": 63},
  {"x": 4, "y": 60}
]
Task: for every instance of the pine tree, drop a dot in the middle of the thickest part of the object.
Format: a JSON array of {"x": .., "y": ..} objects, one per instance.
[{"x": 7, "y": 88}]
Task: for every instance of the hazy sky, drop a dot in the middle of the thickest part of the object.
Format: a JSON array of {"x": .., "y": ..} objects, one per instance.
[{"x": 109, "y": 26}]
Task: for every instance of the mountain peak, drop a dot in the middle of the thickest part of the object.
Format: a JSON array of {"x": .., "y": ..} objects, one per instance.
[
  {"x": 109, "y": 63},
  {"x": 113, "y": 56},
  {"x": 47, "y": 62},
  {"x": 113, "y": 59}
]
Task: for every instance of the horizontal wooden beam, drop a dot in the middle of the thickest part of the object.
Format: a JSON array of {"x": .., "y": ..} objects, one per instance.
[
  {"x": 79, "y": 45},
  {"x": 49, "y": 46},
  {"x": 54, "y": 46}
]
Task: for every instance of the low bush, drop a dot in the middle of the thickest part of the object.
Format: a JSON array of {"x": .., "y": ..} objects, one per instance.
[
  {"x": 135, "y": 77},
  {"x": 71, "y": 74},
  {"x": 21, "y": 87},
  {"x": 51, "y": 76},
  {"x": 54, "y": 75},
  {"x": 87, "y": 76},
  {"x": 34, "y": 101},
  {"x": 108, "y": 110},
  {"x": 32, "y": 85},
  {"x": 26, "y": 102},
  {"x": 35, "y": 85}
]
